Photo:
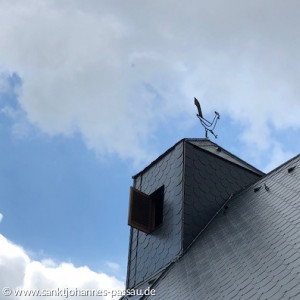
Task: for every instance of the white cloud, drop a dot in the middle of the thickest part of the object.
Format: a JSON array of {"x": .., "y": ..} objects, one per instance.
[
  {"x": 115, "y": 72},
  {"x": 48, "y": 262},
  {"x": 18, "y": 271},
  {"x": 112, "y": 265},
  {"x": 1, "y": 217}
]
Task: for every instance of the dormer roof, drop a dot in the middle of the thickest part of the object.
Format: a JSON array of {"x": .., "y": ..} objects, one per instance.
[{"x": 209, "y": 146}]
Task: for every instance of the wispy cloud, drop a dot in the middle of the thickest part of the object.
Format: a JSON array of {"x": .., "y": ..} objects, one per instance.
[
  {"x": 112, "y": 73},
  {"x": 112, "y": 265},
  {"x": 1, "y": 217},
  {"x": 277, "y": 157}
]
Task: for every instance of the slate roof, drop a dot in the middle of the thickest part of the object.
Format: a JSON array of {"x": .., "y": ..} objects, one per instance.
[
  {"x": 209, "y": 146},
  {"x": 198, "y": 176},
  {"x": 215, "y": 149},
  {"x": 251, "y": 250},
  {"x": 209, "y": 180}
]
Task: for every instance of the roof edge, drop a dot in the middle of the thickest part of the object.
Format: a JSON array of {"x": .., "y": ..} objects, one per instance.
[
  {"x": 233, "y": 156},
  {"x": 158, "y": 158},
  {"x": 273, "y": 171},
  {"x": 250, "y": 169},
  {"x": 195, "y": 139}
]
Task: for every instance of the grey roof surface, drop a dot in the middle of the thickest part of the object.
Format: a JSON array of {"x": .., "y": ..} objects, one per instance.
[
  {"x": 149, "y": 253},
  {"x": 249, "y": 251},
  {"x": 212, "y": 147},
  {"x": 209, "y": 146},
  {"x": 209, "y": 180},
  {"x": 197, "y": 183}
]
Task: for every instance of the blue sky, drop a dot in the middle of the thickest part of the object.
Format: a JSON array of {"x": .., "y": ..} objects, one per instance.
[
  {"x": 58, "y": 199},
  {"x": 90, "y": 93}
]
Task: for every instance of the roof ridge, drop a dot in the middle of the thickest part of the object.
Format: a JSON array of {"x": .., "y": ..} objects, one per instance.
[
  {"x": 194, "y": 139},
  {"x": 250, "y": 167},
  {"x": 234, "y": 156}
]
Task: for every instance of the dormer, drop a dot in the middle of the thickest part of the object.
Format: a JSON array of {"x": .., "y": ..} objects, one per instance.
[{"x": 174, "y": 198}]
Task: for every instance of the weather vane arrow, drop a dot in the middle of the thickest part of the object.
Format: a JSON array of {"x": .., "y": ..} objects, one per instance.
[{"x": 208, "y": 126}]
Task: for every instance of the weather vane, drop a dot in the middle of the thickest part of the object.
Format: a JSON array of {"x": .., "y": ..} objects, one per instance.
[{"x": 208, "y": 126}]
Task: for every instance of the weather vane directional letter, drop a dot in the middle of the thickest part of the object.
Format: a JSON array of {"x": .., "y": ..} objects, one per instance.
[{"x": 208, "y": 126}]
